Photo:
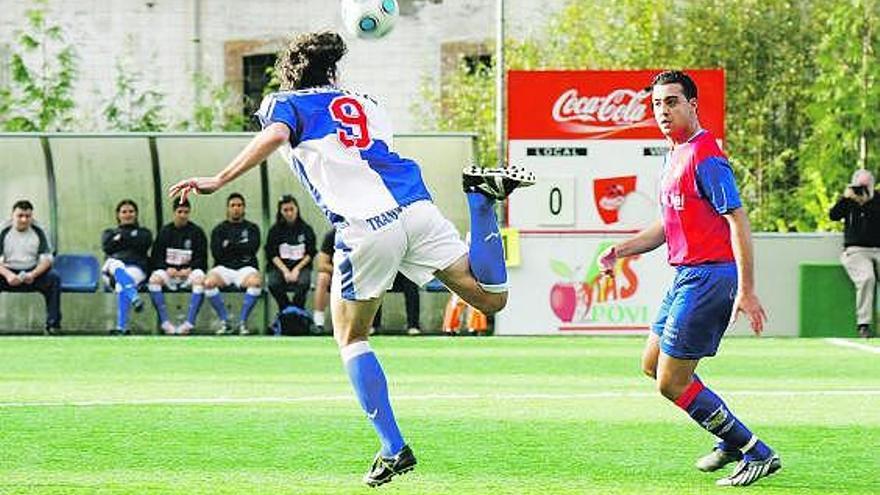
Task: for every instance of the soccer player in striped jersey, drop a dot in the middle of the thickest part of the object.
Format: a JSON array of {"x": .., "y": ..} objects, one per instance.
[
  {"x": 706, "y": 230},
  {"x": 340, "y": 145}
]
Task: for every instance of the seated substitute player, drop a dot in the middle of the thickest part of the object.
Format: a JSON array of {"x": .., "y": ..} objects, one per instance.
[
  {"x": 324, "y": 268},
  {"x": 707, "y": 233},
  {"x": 339, "y": 143},
  {"x": 179, "y": 260},
  {"x": 290, "y": 247},
  {"x": 234, "y": 246},
  {"x": 126, "y": 265},
  {"x": 26, "y": 262}
]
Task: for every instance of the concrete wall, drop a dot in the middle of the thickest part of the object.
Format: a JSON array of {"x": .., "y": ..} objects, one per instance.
[{"x": 167, "y": 41}]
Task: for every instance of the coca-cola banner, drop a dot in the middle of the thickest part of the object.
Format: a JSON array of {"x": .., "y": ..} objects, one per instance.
[{"x": 599, "y": 104}]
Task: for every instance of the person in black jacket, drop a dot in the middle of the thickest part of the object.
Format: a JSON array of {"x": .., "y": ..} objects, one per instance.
[
  {"x": 859, "y": 208},
  {"x": 234, "y": 246},
  {"x": 125, "y": 268},
  {"x": 290, "y": 248},
  {"x": 179, "y": 260}
]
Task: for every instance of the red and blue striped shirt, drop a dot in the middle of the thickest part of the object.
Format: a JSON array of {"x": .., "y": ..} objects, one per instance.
[{"x": 697, "y": 188}]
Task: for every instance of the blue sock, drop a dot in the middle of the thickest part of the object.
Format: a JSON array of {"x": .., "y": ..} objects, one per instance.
[
  {"x": 122, "y": 304},
  {"x": 251, "y": 296},
  {"x": 216, "y": 300},
  {"x": 710, "y": 412},
  {"x": 369, "y": 384},
  {"x": 158, "y": 298},
  {"x": 195, "y": 304},
  {"x": 129, "y": 287},
  {"x": 486, "y": 252}
]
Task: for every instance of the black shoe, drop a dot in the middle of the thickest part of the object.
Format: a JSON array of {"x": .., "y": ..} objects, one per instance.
[
  {"x": 118, "y": 331},
  {"x": 385, "y": 468},
  {"x": 864, "y": 331},
  {"x": 496, "y": 183},
  {"x": 51, "y": 329},
  {"x": 137, "y": 304}
]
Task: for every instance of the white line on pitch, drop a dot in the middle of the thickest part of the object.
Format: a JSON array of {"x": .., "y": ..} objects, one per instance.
[
  {"x": 853, "y": 345},
  {"x": 198, "y": 401}
]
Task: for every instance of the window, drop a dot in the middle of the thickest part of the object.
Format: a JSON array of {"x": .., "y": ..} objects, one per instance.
[{"x": 255, "y": 78}]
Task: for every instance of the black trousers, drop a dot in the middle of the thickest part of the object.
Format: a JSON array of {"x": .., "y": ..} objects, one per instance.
[
  {"x": 279, "y": 288},
  {"x": 411, "y": 300},
  {"x": 48, "y": 284}
]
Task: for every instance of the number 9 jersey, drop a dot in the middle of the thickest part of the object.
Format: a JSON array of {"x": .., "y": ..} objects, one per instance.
[{"x": 341, "y": 150}]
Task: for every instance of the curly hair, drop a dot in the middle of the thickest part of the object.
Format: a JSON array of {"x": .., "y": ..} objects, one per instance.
[{"x": 310, "y": 60}]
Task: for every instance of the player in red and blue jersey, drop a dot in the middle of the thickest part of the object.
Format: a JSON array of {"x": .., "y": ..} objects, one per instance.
[{"x": 706, "y": 230}]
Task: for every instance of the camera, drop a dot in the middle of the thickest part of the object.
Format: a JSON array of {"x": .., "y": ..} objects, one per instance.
[{"x": 859, "y": 190}]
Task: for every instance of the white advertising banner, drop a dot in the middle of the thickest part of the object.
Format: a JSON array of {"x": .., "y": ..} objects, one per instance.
[{"x": 558, "y": 290}]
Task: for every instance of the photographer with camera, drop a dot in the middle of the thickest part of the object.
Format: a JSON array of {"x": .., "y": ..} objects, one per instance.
[{"x": 859, "y": 208}]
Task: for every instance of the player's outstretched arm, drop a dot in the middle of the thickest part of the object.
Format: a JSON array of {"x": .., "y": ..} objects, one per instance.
[
  {"x": 647, "y": 240},
  {"x": 741, "y": 241},
  {"x": 259, "y": 149}
]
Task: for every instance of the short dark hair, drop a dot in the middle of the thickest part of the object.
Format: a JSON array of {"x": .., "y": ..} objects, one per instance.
[
  {"x": 676, "y": 77},
  {"x": 233, "y": 196},
  {"x": 309, "y": 60},
  {"x": 22, "y": 204},
  {"x": 179, "y": 203}
]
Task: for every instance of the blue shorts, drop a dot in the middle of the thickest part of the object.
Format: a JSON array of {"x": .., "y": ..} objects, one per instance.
[{"x": 696, "y": 310}]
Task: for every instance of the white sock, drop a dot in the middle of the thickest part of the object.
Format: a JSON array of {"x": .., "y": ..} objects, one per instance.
[{"x": 319, "y": 318}]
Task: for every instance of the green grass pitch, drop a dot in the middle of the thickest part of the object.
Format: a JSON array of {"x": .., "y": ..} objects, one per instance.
[{"x": 84, "y": 415}]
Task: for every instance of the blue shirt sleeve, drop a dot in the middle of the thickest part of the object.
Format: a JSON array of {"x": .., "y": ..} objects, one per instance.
[
  {"x": 717, "y": 184},
  {"x": 277, "y": 108}
]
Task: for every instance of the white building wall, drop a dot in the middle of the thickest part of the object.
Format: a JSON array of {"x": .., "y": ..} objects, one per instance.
[{"x": 157, "y": 37}]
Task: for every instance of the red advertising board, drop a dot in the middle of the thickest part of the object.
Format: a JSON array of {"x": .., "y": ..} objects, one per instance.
[{"x": 599, "y": 104}]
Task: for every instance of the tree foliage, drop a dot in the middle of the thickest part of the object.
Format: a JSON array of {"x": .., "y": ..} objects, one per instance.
[
  {"x": 134, "y": 108},
  {"x": 43, "y": 70},
  {"x": 800, "y": 76},
  {"x": 219, "y": 108}
]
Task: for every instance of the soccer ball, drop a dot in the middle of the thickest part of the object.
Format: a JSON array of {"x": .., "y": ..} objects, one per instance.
[{"x": 369, "y": 19}]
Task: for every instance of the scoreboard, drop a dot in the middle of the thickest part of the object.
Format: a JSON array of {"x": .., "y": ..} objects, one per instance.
[{"x": 591, "y": 139}]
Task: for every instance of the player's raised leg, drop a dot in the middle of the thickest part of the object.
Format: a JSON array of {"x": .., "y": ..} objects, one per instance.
[
  {"x": 481, "y": 277},
  {"x": 351, "y": 325}
]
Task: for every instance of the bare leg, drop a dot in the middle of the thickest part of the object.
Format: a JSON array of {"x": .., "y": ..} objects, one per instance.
[
  {"x": 459, "y": 279},
  {"x": 650, "y": 355}
]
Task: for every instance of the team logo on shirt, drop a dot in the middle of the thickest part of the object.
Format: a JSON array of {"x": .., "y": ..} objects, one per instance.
[{"x": 673, "y": 200}]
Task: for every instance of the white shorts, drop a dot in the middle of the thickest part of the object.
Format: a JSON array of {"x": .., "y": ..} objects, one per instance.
[
  {"x": 231, "y": 276},
  {"x": 176, "y": 283},
  {"x": 112, "y": 264},
  {"x": 415, "y": 240}
]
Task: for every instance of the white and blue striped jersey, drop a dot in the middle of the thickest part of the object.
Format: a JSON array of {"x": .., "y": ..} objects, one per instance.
[{"x": 341, "y": 150}]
